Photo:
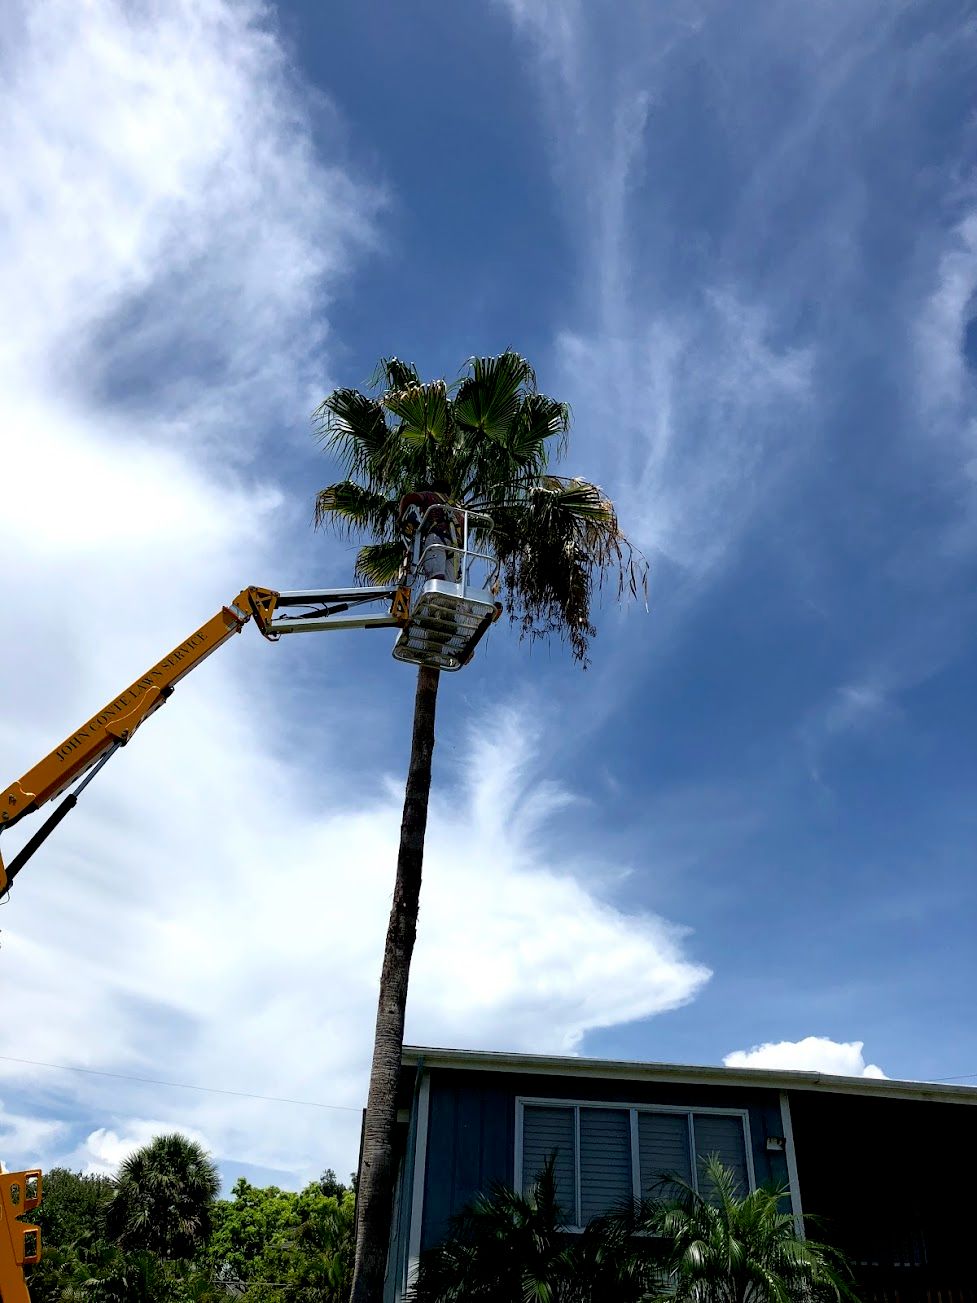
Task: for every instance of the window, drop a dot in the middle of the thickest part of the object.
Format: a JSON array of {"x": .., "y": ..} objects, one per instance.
[{"x": 607, "y": 1154}]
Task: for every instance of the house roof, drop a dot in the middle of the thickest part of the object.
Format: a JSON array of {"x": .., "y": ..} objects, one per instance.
[{"x": 626, "y": 1070}]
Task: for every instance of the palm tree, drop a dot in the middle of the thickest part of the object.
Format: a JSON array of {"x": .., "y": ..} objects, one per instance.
[
  {"x": 164, "y": 1198},
  {"x": 506, "y": 1247},
  {"x": 487, "y": 440},
  {"x": 723, "y": 1248}
]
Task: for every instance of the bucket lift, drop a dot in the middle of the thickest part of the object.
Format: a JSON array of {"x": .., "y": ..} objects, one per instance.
[{"x": 443, "y": 604}]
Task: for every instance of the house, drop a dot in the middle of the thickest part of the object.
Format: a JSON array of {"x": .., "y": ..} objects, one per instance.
[{"x": 887, "y": 1165}]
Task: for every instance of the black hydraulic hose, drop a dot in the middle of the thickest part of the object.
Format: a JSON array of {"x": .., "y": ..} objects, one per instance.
[
  {"x": 67, "y": 805},
  {"x": 41, "y": 836}
]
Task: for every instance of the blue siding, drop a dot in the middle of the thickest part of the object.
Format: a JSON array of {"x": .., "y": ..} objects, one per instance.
[
  {"x": 471, "y": 1145},
  {"x": 471, "y": 1130}
]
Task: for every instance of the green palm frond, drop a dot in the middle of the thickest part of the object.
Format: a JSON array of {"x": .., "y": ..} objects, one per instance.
[
  {"x": 379, "y": 563},
  {"x": 353, "y": 426},
  {"x": 720, "y": 1245},
  {"x": 539, "y": 420},
  {"x": 421, "y": 409},
  {"x": 488, "y": 400},
  {"x": 392, "y": 373},
  {"x": 347, "y": 507},
  {"x": 163, "y": 1198}
]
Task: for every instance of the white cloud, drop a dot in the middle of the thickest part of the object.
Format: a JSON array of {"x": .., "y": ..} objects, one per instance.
[
  {"x": 813, "y": 1053},
  {"x": 22, "y": 1134},
  {"x": 519, "y": 934},
  {"x": 104, "y": 1149},
  {"x": 196, "y": 236},
  {"x": 213, "y": 914},
  {"x": 241, "y": 976}
]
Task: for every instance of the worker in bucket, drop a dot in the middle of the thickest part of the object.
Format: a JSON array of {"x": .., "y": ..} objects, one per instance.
[{"x": 426, "y": 509}]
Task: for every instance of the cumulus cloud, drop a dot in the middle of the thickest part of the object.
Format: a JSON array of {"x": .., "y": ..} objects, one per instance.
[
  {"x": 213, "y": 913},
  {"x": 103, "y": 1150},
  {"x": 169, "y": 235},
  {"x": 813, "y": 1053},
  {"x": 21, "y": 1133}
]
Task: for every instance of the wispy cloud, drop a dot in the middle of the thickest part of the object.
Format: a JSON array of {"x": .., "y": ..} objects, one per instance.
[
  {"x": 813, "y": 1053},
  {"x": 696, "y": 402},
  {"x": 947, "y": 376},
  {"x": 681, "y": 399}
]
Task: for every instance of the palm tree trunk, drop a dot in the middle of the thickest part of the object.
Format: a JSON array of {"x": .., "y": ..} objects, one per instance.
[{"x": 374, "y": 1194}]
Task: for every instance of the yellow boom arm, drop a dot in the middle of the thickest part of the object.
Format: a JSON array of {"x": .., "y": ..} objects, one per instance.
[{"x": 115, "y": 724}]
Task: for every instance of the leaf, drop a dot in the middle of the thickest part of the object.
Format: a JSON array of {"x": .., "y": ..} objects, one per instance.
[
  {"x": 538, "y": 420},
  {"x": 394, "y": 374},
  {"x": 421, "y": 409},
  {"x": 489, "y": 400},
  {"x": 347, "y": 506},
  {"x": 379, "y": 563}
]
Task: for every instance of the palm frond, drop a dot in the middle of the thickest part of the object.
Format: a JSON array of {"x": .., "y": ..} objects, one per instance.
[
  {"x": 352, "y": 425},
  {"x": 348, "y": 507},
  {"x": 489, "y": 399},
  {"x": 380, "y": 563},
  {"x": 392, "y": 373},
  {"x": 421, "y": 409},
  {"x": 539, "y": 420},
  {"x": 554, "y": 542}
]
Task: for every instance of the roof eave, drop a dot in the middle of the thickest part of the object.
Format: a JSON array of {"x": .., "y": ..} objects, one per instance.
[{"x": 689, "y": 1074}]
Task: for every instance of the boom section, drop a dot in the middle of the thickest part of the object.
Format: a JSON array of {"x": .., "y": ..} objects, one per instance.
[{"x": 116, "y": 722}]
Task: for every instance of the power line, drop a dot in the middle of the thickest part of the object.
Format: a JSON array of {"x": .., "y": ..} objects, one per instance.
[{"x": 181, "y": 1085}]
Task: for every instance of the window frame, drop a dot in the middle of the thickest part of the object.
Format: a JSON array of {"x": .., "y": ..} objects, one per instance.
[{"x": 688, "y": 1111}]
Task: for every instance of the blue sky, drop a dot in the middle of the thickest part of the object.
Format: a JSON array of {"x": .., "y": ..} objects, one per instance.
[{"x": 742, "y": 243}]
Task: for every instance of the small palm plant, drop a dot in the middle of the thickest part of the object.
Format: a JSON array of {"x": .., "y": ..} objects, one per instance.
[
  {"x": 712, "y": 1246},
  {"x": 506, "y": 1247},
  {"x": 719, "y": 1247}
]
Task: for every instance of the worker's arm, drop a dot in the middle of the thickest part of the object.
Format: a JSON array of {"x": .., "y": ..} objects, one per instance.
[{"x": 116, "y": 722}]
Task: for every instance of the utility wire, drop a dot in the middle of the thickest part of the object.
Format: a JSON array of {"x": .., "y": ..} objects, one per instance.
[
  {"x": 181, "y": 1085},
  {"x": 269, "y": 1099}
]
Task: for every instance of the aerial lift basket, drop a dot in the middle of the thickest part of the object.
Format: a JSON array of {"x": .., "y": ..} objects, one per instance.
[{"x": 453, "y": 592}]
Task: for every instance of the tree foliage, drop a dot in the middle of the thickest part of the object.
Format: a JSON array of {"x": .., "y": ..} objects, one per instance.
[
  {"x": 270, "y": 1244},
  {"x": 721, "y": 1247},
  {"x": 490, "y": 439},
  {"x": 506, "y": 1247},
  {"x": 263, "y": 1245},
  {"x": 163, "y": 1198},
  {"x": 712, "y": 1246}
]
